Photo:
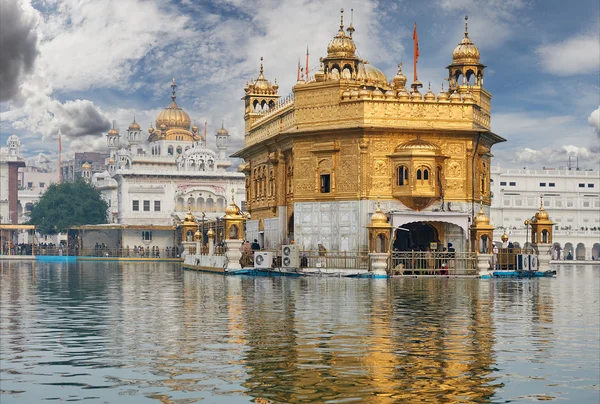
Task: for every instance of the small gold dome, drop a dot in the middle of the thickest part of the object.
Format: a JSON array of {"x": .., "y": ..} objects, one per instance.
[
  {"x": 481, "y": 218},
  {"x": 275, "y": 86},
  {"x": 504, "y": 237},
  {"x": 211, "y": 233},
  {"x": 151, "y": 130},
  {"x": 378, "y": 217},
  {"x": 364, "y": 93},
  {"x": 194, "y": 129},
  {"x": 542, "y": 214},
  {"x": 399, "y": 78},
  {"x": 455, "y": 97},
  {"x": 197, "y": 235},
  {"x": 390, "y": 94},
  {"x": 261, "y": 85},
  {"x": 113, "y": 131},
  {"x": 468, "y": 97},
  {"x": 320, "y": 75},
  {"x": 377, "y": 94},
  {"x": 416, "y": 95},
  {"x": 111, "y": 161},
  {"x": 442, "y": 96},
  {"x": 222, "y": 131},
  {"x": 232, "y": 210},
  {"x": 403, "y": 94},
  {"x": 466, "y": 52},
  {"x": 346, "y": 94},
  {"x": 354, "y": 94},
  {"x": 189, "y": 217},
  {"x": 429, "y": 95},
  {"x": 134, "y": 125},
  {"x": 86, "y": 166}
]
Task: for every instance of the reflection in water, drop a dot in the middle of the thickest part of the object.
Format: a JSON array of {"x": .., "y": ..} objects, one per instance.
[{"x": 148, "y": 330}]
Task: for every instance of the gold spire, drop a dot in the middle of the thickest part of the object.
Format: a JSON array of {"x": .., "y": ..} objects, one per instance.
[
  {"x": 173, "y": 87},
  {"x": 350, "y": 28}
]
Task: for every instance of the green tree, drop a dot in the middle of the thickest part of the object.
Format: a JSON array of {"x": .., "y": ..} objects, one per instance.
[{"x": 68, "y": 204}]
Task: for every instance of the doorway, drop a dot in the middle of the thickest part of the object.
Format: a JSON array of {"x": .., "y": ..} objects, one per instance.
[{"x": 415, "y": 236}]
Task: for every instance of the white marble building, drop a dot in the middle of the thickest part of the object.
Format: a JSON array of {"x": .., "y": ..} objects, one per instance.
[
  {"x": 571, "y": 197},
  {"x": 153, "y": 178}
]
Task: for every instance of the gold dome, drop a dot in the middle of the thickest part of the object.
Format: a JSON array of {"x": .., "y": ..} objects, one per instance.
[
  {"x": 468, "y": 97},
  {"x": 194, "y": 129},
  {"x": 399, "y": 78},
  {"x": 86, "y": 166},
  {"x": 341, "y": 45},
  {"x": 222, "y": 131},
  {"x": 403, "y": 94},
  {"x": 378, "y": 217},
  {"x": 442, "y": 96},
  {"x": 320, "y": 74},
  {"x": 197, "y": 235},
  {"x": 111, "y": 161},
  {"x": 542, "y": 214},
  {"x": 378, "y": 94},
  {"x": 151, "y": 130},
  {"x": 134, "y": 125},
  {"x": 481, "y": 218},
  {"x": 369, "y": 73},
  {"x": 429, "y": 95},
  {"x": 466, "y": 52},
  {"x": 261, "y": 85},
  {"x": 113, "y": 131},
  {"x": 455, "y": 97},
  {"x": 232, "y": 210},
  {"x": 189, "y": 217},
  {"x": 416, "y": 95},
  {"x": 173, "y": 116},
  {"x": 211, "y": 233},
  {"x": 364, "y": 93},
  {"x": 504, "y": 237},
  {"x": 390, "y": 94}
]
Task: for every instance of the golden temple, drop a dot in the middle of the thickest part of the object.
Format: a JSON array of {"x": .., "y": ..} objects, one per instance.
[{"x": 316, "y": 161}]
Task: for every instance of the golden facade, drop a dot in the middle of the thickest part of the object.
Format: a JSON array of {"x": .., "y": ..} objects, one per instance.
[{"x": 349, "y": 134}]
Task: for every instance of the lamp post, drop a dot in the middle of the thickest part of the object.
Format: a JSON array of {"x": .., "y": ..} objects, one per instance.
[
  {"x": 527, "y": 222},
  {"x": 203, "y": 219}
]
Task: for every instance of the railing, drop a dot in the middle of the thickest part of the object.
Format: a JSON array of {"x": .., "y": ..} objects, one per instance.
[
  {"x": 109, "y": 252},
  {"x": 204, "y": 250},
  {"x": 433, "y": 263},
  {"x": 335, "y": 259}
]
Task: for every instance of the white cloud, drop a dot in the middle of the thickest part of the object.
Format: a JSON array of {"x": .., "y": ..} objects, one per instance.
[
  {"x": 594, "y": 120},
  {"x": 576, "y": 55},
  {"x": 548, "y": 156}
]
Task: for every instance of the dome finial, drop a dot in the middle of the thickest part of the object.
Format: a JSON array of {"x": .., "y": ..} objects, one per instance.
[
  {"x": 466, "y": 26},
  {"x": 342, "y": 19},
  {"x": 173, "y": 87},
  {"x": 222, "y": 124},
  {"x": 541, "y": 201},
  {"x": 261, "y": 65},
  {"x": 232, "y": 195},
  {"x": 350, "y": 28}
]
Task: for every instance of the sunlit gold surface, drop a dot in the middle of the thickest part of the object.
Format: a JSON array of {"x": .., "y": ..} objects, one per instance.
[{"x": 349, "y": 121}]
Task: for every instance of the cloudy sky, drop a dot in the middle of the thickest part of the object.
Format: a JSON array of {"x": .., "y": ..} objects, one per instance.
[{"x": 77, "y": 65}]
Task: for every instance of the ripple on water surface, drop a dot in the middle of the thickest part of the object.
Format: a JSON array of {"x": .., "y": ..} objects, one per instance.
[{"x": 137, "y": 332}]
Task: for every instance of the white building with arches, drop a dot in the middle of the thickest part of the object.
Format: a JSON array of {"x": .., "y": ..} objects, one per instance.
[
  {"x": 153, "y": 179},
  {"x": 571, "y": 197}
]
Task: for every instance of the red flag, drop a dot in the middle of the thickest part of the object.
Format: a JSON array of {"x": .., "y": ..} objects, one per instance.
[{"x": 416, "y": 49}]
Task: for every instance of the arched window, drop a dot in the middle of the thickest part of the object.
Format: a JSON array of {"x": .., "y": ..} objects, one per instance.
[
  {"x": 210, "y": 205},
  {"x": 200, "y": 204},
  {"x": 426, "y": 174},
  {"x": 180, "y": 206},
  {"x": 170, "y": 150},
  {"x": 402, "y": 176},
  {"x": 419, "y": 175},
  {"x": 179, "y": 150},
  {"x": 545, "y": 237}
]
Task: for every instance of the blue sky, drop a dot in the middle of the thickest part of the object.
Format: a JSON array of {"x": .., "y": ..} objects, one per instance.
[{"x": 77, "y": 65}]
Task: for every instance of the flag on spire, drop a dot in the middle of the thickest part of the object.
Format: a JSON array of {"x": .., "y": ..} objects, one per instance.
[
  {"x": 298, "y": 69},
  {"x": 416, "y": 50}
]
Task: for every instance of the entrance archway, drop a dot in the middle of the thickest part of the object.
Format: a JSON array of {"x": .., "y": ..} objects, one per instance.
[{"x": 415, "y": 236}]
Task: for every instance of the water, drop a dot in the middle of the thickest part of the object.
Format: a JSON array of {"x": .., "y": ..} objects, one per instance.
[{"x": 137, "y": 332}]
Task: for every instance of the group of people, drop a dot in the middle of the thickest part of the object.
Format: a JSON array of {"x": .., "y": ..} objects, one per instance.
[{"x": 247, "y": 249}]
